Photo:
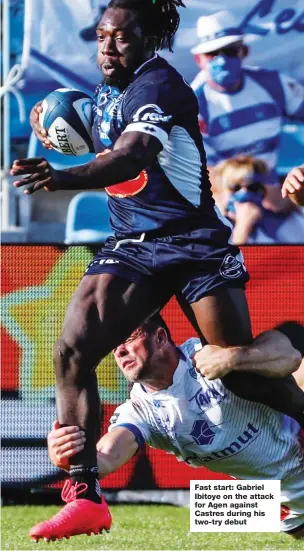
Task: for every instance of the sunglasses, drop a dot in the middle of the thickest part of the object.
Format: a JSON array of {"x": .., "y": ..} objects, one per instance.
[
  {"x": 229, "y": 51},
  {"x": 254, "y": 186}
]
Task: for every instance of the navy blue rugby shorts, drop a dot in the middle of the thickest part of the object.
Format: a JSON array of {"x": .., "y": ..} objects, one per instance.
[{"x": 191, "y": 264}]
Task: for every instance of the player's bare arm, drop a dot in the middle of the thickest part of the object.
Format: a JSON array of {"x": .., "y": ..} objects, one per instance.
[
  {"x": 293, "y": 186},
  {"x": 271, "y": 355},
  {"x": 133, "y": 151},
  {"x": 114, "y": 449}
]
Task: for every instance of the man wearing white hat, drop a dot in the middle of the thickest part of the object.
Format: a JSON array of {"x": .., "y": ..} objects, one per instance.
[{"x": 241, "y": 108}]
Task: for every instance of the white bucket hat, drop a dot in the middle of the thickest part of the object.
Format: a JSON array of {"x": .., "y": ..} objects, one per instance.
[{"x": 216, "y": 31}]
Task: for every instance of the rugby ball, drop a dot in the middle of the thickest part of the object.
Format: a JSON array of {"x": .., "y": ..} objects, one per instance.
[{"x": 68, "y": 118}]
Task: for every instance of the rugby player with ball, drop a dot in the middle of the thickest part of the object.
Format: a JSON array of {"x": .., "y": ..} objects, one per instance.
[{"x": 169, "y": 238}]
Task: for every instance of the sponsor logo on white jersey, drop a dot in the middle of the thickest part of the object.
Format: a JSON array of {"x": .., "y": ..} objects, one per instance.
[
  {"x": 206, "y": 399},
  {"x": 203, "y": 435}
]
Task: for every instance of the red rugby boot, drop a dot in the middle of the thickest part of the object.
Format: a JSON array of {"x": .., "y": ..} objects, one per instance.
[{"x": 78, "y": 516}]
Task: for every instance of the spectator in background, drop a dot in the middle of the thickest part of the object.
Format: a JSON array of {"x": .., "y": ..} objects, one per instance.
[
  {"x": 240, "y": 192},
  {"x": 241, "y": 109}
]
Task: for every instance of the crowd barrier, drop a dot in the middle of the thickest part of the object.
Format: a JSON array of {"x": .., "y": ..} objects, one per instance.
[{"x": 37, "y": 284}]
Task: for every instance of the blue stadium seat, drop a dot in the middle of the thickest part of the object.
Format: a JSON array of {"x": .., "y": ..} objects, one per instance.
[
  {"x": 88, "y": 219},
  {"x": 291, "y": 148},
  {"x": 57, "y": 160}
]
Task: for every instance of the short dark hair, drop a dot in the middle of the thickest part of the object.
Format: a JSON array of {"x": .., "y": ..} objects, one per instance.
[
  {"x": 158, "y": 19},
  {"x": 153, "y": 323}
]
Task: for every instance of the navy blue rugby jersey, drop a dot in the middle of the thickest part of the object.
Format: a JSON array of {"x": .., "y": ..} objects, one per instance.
[{"x": 173, "y": 194}]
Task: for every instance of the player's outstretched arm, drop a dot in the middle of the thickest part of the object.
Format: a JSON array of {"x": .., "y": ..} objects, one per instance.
[
  {"x": 293, "y": 186},
  {"x": 271, "y": 355},
  {"x": 39, "y": 175},
  {"x": 133, "y": 152},
  {"x": 114, "y": 449}
]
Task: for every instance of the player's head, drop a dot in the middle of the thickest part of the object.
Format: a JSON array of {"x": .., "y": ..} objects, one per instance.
[
  {"x": 130, "y": 31},
  {"x": 142, "y": 355},
  {"x": 221, "y": 48}
]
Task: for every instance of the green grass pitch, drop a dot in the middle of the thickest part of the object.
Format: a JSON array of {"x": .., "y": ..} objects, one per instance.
[{"x": 135, "y": 527}]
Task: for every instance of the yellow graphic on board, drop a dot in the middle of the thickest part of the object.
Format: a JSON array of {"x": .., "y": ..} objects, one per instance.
[{"x": 34, "y": 317}]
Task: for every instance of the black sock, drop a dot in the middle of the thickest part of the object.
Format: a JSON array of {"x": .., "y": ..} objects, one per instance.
[{"x": 89, "y": 476}]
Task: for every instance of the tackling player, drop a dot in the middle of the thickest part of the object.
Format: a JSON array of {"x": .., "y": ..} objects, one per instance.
[
  {"x": 176, "y": 409},
  {"x": 169, "y": 237}
]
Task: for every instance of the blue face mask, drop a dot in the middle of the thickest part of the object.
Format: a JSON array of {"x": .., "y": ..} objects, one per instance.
[{"x": 225, "y": 71}]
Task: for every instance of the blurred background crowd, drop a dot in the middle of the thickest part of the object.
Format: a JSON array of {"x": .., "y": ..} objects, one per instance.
[{"x": 245, "y": 65}]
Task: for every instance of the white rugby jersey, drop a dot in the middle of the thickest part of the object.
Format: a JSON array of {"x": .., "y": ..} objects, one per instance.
[
  {"x": 249, "y": 120},
  {"x": 204, "y": 424}
]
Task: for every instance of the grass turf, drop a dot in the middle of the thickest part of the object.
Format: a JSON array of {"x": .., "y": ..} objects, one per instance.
[{"x": 136, "y": 527}]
